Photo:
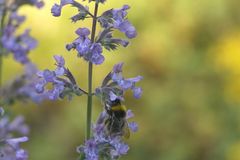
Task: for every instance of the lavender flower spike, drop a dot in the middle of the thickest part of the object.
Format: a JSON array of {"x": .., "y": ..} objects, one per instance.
[
  {"x": 101, "y": 145},
  {"x": 62, "y": 81},
  {"x": 104, "y": 139},
  {"x": 115, "y": 85},
  {"x": 12, "y": 42},
  {"x": 10, "y": 146},
  {"x": 116, "y": 18},
  {"x": 86, "y": 49}
]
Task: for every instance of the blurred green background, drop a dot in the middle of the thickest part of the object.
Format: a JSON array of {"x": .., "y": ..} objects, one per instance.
[{"x": 189, "y": 54}]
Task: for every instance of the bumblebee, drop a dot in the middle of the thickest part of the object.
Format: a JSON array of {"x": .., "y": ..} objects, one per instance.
[{"x": 116, "y": 123}]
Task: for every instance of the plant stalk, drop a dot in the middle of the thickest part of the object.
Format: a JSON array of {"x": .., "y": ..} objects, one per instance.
[{"x": 90, "y": 70}]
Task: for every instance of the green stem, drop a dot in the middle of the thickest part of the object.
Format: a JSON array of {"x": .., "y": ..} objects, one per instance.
[{"x": 90, "y": 70}]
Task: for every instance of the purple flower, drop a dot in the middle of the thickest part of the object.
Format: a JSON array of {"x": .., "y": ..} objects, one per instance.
[
  {"x": 61, "y": 86},
  {"x": 125, "y": 84},
  {"x": 137, "y": 92},
  {"x": 116, "y": 18},
  {"x": 83, "y": 32},
  {"x": 133, "y": 126},
  {"x": 14, "y": 17},
  {"x": 129, "y": 114},
  {"x": 115, "y": 85},
  {"x": 49, "y": 76},
  {"x": 56, "y": 10},
  {"x": 119, "y": 148},
  {"x": 18, "y": 125},
  {"x": 60, "y": 60},
  {"x": 70, "y": 46},
  {"x": 118, "y": 68},
  {"x": 103, "y": 145},
  {"x": 91, "y": 151},
  {"x": 127, "y": 28},
  {"x": 83, "y": 47},
  {"x": 40, "y": 86},
  {"x": 56, "y": 91},
  {"x": 83, "y": 11},
  {"x": 39, "y": 4},
  {"x": 22, "y": 88},
  {"x": 12, "y": 149},
  {"x": 95, "y": 54},
  {"x": 89, "y": 51},
  {"x": 21, "y": 154},
  {"x": 82, "y": 43},
  {"x": 28, "y": 91},
  {"x": 19, "y": 45},
  {"x": 9, "y": 146},
  {"x": 15, "y": 141}
]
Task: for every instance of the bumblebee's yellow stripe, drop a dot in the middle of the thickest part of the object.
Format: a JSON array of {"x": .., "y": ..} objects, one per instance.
[{"x": 119, "y": 108}]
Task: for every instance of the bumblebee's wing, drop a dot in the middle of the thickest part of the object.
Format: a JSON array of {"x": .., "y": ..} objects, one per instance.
[{"x": 126, "y": 131}]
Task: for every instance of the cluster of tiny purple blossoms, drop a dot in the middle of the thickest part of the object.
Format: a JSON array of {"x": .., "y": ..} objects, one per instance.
[
  {"x": 114, "y": 85},
  {"x": 109, "y": 20},
  {"x": 13, "y": 132},
  {"x": 62, "y": 81},
  {"x": 10, "y": 147},
  {"x": 102, "y": 145},
  {"x": 91, "y": 52},
  {"x": 17, "y": 44}
]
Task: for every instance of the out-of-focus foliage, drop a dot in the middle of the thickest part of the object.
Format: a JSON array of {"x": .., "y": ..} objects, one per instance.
[{"x": 189, "y": 55}]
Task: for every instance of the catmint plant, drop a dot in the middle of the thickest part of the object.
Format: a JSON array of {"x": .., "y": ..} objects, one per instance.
[
  {"x": 9, "y": 146},
  {"x": 106, "y": 138},
  {"x": 22, "y": 88},
  {"x": 13, "y": 132},
  {"x": 19, "y": 45}
]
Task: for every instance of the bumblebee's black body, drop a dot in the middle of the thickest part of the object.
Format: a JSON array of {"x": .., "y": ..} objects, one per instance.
[
  {"x": 116, "y": 109},
  {"x": 116, "y": 122}
]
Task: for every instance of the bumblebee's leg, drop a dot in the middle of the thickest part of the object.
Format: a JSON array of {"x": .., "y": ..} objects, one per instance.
[
  {"x": 108, "y": 124},
  {"x": 111, "y": 129},
  {"x": 119, "y": 123}
]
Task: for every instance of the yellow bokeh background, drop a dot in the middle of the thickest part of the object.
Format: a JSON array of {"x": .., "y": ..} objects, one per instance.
[{"x": 189, "y": 55}]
